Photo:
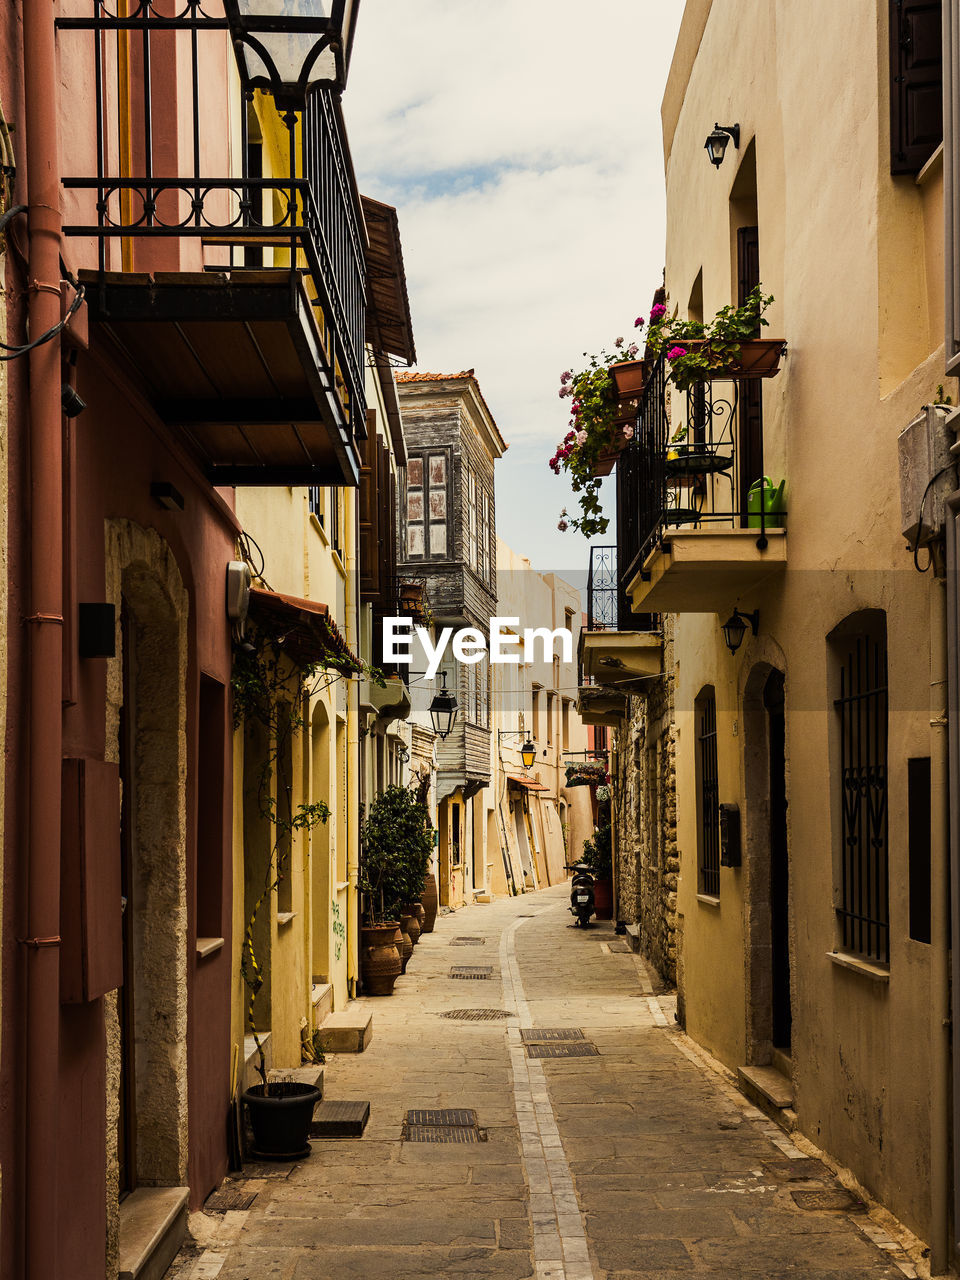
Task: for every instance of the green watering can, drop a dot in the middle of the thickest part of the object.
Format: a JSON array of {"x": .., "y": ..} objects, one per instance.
[{"x": 772, "y": 498}]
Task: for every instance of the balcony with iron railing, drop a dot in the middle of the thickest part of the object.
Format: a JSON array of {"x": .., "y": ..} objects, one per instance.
[
  {"x": 618, "y": 645},
  {"x": 235, "y": 298},
  {"x": 700, "y": 524}
]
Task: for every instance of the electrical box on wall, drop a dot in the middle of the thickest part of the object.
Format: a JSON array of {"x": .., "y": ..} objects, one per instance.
[{"x": 730, "y": 854}]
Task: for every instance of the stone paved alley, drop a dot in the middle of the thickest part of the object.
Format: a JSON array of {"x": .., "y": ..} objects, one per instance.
[{"x": 637, "y": 1162}]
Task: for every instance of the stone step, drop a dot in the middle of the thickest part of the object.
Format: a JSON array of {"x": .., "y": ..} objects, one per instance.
[
  {"x": 633, "y": 937},
  {"x": 153, "y": 1226},
  {"x": 349, "y": 1031},
  {"x": 766, "y": 1088},
  {"x": 322, "y": 998},
  {"x": 339, "y": 1119},
  {"x": 310, "y": 1074}
]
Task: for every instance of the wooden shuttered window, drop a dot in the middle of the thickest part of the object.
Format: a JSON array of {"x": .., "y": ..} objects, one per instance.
[
  {"x": 916, "y": 83},
  {"x": 369, "y": 498},
  {"x": 386, "y": 526}
]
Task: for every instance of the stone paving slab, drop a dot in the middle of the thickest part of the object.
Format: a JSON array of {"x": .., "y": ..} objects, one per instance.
[{"x": 639, "y": 1164}]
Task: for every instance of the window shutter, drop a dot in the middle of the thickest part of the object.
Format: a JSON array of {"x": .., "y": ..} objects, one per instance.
[
  {"x": 916, "y": 83},
  {"x": 369, "y": 520},
  {"x": 387, "y": 566}
]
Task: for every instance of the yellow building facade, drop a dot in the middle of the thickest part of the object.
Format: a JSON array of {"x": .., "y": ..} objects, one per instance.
[{"x": 810, "y": 761}]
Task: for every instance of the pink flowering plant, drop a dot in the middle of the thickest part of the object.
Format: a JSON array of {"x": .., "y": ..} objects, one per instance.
[
  {"x": 694, "y": 351},
  {"x": 592, "y": 430}
]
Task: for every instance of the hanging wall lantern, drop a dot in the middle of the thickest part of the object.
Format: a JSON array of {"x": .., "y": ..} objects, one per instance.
[
  {"x": 716, "y": 143},
  {"x": 288, "y": 47},
  {"x": 735, "y": 628},
  {"x": 528, "y": 753},
  {"x": 443, "y": 709}
]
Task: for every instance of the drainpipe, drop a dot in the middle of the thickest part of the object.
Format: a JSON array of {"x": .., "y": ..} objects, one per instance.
[
  {"x": 45, "y": 649},
  {"x": 939, "y": 938},
  {"x": 353, "y": 754}
]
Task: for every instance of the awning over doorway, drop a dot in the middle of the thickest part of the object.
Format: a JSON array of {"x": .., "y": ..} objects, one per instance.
[
  {"x": 524, "y": 784},
  {"x": 310, "y": 635}
]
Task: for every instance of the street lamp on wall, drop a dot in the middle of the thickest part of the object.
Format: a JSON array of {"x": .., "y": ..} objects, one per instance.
[
  {"x": 528, "y": 752},
  {"x": 735, "y": 628},
  {"x": 716, "y": 143},
  {"x": 288, "y": 47},
  {"x": 443, "y": 709}
]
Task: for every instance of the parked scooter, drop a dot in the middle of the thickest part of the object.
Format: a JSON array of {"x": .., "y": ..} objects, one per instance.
[{"x": 581, "y": 894}]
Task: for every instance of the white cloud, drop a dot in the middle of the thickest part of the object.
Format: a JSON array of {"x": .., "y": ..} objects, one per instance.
[{"x": 520, "y": 142}]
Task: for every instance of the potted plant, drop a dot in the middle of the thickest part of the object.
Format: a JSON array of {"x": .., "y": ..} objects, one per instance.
[
  {"x": 590, "y": 448},
  {"x": 728, "y": 347},
  {"x": 598, "y": 855},
  {"x": 397, "y": 842}
]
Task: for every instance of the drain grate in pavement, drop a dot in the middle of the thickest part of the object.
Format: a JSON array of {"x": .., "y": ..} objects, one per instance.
[
  {"x": 476, "y": 1015},
  {"x": 563, "y": 1049},
  {"x": 458, "y": 1116},
  {"x": 439, "y": 1133},
  {"x": 830, "y": 1198},
  {"x": 457, "y": 1125},
  {"x": 472, "y": 971},
  {"x": 530, "y": 1035},
  {"x": 227, "y": 1198},
  {"x": 468, "y": 942}
]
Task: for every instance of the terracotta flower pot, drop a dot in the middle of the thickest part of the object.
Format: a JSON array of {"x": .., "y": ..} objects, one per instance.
[
  {"x": 430, "y": 902},
  {"x": 628, "y": 378},
  {"x": 421, "y": 915},
  {"x": 603, "y": 899},
  {"x": 759, "y": 358},
  {"x": 406, "y": 948},
  {"x": 413, "y": 923},
  {"x": 380, "y": 964}
]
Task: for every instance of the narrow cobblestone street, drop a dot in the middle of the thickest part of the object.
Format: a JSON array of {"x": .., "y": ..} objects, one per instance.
[{"x": 637, "y": 1161}]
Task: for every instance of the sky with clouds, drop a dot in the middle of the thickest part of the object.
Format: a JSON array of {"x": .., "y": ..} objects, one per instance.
[{"x": 520, "y": 142}]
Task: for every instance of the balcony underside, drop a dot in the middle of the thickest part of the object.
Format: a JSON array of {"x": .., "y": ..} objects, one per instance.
[
  {"x": 620, "y": 655},
  {"x": 706, "y": 570},
  {"x": 599, "y": 706},
  {"x": 235, "y": 363}
]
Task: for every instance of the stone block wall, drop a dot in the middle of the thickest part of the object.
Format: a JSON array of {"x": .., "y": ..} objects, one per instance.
[{"x": 647, "y": 853}]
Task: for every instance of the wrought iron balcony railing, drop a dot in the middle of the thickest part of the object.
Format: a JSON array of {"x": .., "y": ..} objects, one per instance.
[
  {"x": 608, "y": 608},
  {"x": 156, "y": 80},
  {"x": 696, "y": 460}
]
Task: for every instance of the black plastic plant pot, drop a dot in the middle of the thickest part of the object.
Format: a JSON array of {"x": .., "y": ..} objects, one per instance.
[{"x": 280, "y": 1116}]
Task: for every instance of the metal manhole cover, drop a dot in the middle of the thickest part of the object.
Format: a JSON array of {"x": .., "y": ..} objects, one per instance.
[
  {"x": 472, "y": 971},
  {"x": 476, "y": 1015},
  {"x": 567, "y": 1049},
  {"x": 830, "y": 1198},
  {"x": 456, "y": 1116},
  {"x": 530, "y": 1035},
  {"x": 468, "y": 942},
  {"x": 458, "y": 1125},
  {"x": 439, "y": 1133}
]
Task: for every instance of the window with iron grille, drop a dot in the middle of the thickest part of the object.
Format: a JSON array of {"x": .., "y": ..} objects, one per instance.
[
  {"x": 708, "y": 795},
  {"x": 859, "y": 766}
]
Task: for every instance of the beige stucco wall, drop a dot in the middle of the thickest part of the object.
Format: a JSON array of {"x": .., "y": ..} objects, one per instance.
[{"x": 854, "y": 259}]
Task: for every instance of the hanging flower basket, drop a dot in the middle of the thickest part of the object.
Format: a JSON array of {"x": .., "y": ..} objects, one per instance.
[
  {"x": 758, "y": 358},
  {"x": 608, "y": 455},
  {"x": 587, "y": 774}
]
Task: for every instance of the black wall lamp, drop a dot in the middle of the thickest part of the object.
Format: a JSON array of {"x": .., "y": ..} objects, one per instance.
[
  {"x": 443, "y": 709},
  {"x": 716, "y": 143},
  {"x": 735, "y": 628}
]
